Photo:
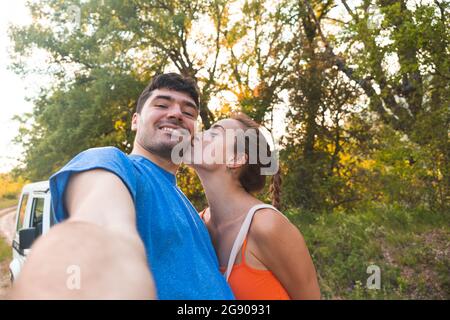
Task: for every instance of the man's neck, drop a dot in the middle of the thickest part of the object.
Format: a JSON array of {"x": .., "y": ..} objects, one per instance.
[{"x": 165, "y": 164}]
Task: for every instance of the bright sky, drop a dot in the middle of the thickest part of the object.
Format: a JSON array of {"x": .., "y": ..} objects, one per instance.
[{"x": 13, "y": 88}]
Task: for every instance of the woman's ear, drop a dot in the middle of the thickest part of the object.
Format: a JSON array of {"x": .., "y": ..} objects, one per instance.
[{"x": 237, "y": 161}]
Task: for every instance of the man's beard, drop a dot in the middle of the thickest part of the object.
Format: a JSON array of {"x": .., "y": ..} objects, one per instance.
[
  {"x": 163, "y": 150},
  {"x": 155, "y": 142}
]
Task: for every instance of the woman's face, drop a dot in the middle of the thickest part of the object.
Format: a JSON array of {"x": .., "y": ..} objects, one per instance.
[{"x": 215, "y": 148}]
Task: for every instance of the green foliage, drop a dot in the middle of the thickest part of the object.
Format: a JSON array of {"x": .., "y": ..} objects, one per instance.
[
  {"x": 338, "y": 151},
  {"x": 191, "y": 186},
  {"x": 10, "y": 187},
  {"x": 410, "y": 246},
  {"x": 397, "y": 150},
  {"x": 90, "y": 113},
  {"x": 101, "y": 66}
]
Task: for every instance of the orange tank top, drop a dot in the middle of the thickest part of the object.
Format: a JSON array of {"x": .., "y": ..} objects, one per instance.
[{"x": 248, "y": 283}]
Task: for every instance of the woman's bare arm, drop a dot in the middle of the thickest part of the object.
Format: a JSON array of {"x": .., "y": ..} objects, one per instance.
[{"x": 282, "y": 249}]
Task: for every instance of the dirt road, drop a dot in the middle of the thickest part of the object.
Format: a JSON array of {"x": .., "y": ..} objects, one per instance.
[{"x": 7, "y": 219}]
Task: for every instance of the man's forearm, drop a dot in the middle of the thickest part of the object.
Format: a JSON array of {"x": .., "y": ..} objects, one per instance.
[{"x": 80, "y": 260}]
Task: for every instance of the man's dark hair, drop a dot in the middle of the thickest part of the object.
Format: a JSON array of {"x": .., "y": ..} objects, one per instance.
[{"x": 171, "y": 81}]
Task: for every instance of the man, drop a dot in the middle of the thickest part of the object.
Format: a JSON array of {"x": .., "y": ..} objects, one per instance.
[{"x": 124, "y": 216}]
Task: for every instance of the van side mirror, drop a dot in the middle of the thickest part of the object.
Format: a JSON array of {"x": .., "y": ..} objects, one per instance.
[{"x": 26, "y": 238}]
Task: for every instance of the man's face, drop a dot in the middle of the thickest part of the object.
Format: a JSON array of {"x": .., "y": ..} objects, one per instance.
[{"x": 165, "y": 113}]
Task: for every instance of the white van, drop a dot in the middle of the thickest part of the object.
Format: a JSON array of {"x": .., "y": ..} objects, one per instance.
[{"x": 34, "y": 217}]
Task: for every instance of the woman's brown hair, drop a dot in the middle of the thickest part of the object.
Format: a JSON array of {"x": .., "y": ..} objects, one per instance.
[{"x": 251, "y": 178}]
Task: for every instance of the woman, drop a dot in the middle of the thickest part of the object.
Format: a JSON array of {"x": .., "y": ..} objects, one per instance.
[{"x": 261, "y": 253}]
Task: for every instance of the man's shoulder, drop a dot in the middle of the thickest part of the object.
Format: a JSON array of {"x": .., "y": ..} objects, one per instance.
[
  {"x": 109, "y": 158},
  {"x": 104, "y": 151},
  {"x": 100, "y": 155}
]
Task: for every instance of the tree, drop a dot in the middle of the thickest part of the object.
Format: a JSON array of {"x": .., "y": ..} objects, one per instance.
[
  {"x": 100, "y": 66},
  {"x": 347, "y": 85},
  {"x": 414, "y": 98}
]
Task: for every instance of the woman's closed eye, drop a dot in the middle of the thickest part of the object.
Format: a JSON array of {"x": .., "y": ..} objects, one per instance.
[{"x": 212, "y": 133}]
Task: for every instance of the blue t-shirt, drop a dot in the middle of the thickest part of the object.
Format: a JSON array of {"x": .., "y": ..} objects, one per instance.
[{"x": 178, "y": 247}]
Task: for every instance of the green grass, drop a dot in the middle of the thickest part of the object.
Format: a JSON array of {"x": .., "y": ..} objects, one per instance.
[
  {"x": 6, "y": 203},
  {"x": 411, "y": 247},
  {"x": 5, "y": 251}
]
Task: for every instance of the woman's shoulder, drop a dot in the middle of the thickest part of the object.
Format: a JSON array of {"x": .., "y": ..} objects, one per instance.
[
  {"x": 268, "y": 223},
  {"x": 271, "y": 233}
]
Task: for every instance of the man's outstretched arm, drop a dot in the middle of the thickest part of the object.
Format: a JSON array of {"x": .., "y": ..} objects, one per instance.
[{"x": 98, "y": 245}]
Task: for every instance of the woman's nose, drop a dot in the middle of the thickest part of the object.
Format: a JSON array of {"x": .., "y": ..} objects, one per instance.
[{"x": 198, "y": 136}]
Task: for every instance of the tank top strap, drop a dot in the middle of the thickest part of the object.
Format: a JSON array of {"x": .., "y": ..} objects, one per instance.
[
  {"x": 242, "y": 235},
  {"x": 244, "y": 246}
]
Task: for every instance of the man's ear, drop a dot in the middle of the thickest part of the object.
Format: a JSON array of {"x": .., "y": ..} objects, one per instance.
[
  {"x": 237, "y": 161},
  {"x": 134, "y": 121}
]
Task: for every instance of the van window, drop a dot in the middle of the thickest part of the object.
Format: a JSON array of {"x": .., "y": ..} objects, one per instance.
[
  {"x": 37, "y": 212},
  {"x": 52, "y": 215},
  {"x": 23, "y": 207}
]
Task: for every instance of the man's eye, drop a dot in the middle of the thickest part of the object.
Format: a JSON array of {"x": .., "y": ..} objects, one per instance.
[
  {"x": 188, "y": 114},
  {"x": 161, "y": 106}
]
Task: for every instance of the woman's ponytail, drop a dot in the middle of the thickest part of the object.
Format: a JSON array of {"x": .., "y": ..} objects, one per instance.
[
  {"x": 251, "y": 177},
  {"x": 275, "y": 189}
]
